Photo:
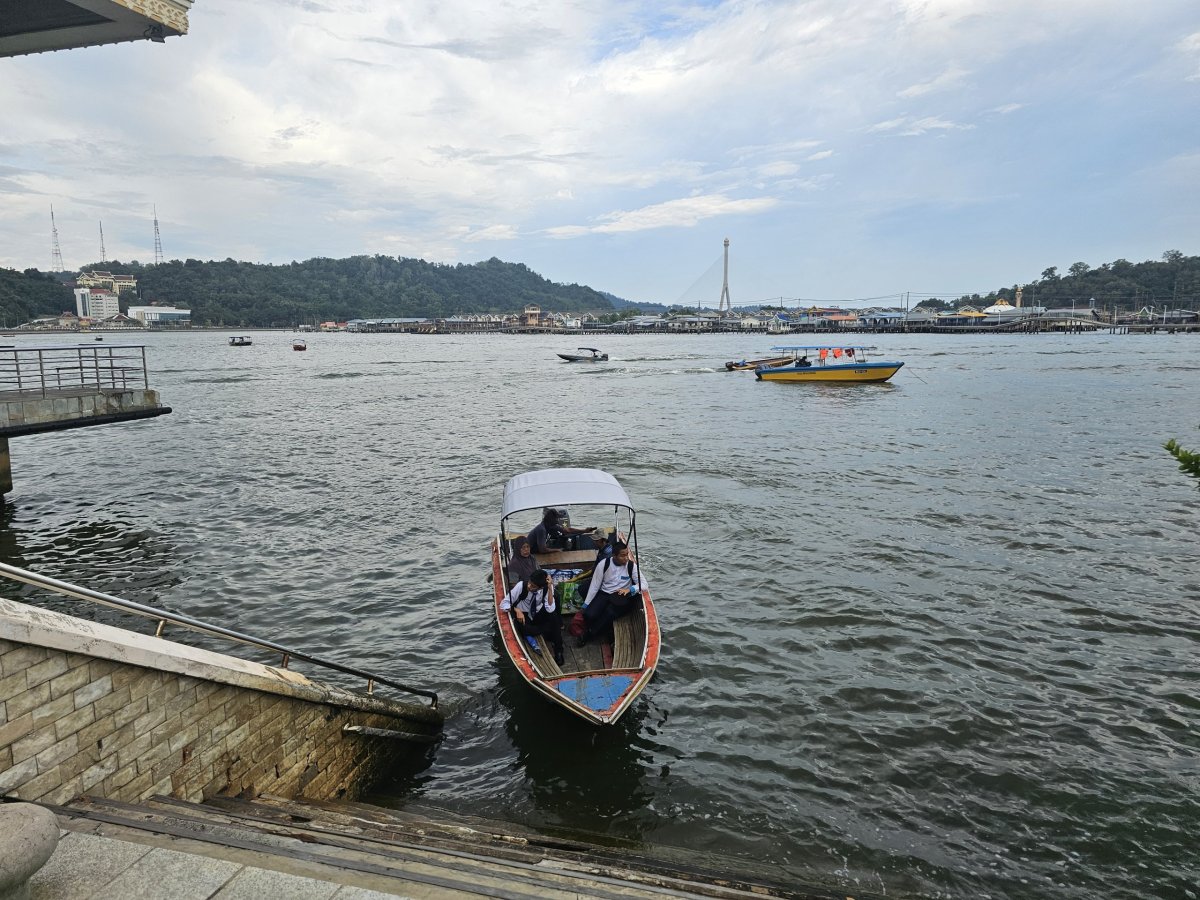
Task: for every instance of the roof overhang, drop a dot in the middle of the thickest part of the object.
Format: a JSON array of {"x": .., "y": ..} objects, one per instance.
[
  {"x": 562, "y": 487},
  {"x": 37, "y": 26}
]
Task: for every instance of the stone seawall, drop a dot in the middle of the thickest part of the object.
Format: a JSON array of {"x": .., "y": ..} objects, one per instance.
[{"x": 87, "y": 708}]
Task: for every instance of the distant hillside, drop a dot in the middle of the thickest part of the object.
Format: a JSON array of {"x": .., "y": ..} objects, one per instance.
[
  {"x": 620, "y": 304},
  {"x": 1173, "y": 282},
  {"x": 241, "y": 294},
  {"x": 30, "y": 294}
]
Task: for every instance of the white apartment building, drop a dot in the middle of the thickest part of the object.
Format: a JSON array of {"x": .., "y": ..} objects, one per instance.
[{"x": 96, "y": 303}]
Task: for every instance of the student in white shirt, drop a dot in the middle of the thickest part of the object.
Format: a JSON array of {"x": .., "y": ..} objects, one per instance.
[
  {"x": 532, "y": 603},
  {"x": 615, "y": 591}
]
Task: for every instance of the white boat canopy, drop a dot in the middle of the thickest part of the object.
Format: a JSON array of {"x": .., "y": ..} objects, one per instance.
[{"x": 562, "y": 487}]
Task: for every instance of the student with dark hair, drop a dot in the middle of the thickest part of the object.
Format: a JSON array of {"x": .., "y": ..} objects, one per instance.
[
  {"x": 532, "y": 605},
  {"x": 615, "y": 591},
  {"x": 550, "y": 530}
]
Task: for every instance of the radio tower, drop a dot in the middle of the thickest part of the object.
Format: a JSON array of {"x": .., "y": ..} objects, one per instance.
[
  {"x": 56, "y": 263},
  {"x": 158, "y": 254},
  {"x": 723, "y": 303},
  {"x": 103, "y": 255}
]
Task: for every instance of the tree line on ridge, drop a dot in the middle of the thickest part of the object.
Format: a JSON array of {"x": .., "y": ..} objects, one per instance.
[{"x": 247, "y": 295}]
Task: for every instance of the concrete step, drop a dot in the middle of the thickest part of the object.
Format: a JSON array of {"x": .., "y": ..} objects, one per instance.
[{"x": 402, "y": 852}]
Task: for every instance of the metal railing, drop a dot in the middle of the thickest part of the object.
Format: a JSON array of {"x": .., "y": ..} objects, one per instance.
[
  {"x": 93, "y": 368},
  {"x": 164, "y": 618}
]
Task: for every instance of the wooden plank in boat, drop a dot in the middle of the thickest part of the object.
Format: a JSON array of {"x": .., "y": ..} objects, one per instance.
[{"x": 565, "y": 558}]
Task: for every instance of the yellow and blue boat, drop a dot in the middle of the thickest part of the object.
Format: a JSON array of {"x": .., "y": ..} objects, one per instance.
[{"x": 838, "y": 364}]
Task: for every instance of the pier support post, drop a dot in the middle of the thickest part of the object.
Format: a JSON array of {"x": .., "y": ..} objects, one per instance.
[{"x": 5, "y": 469}]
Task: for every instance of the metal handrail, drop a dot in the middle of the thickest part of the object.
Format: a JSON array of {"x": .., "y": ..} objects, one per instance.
[
  {"x": 164, "y": 617},
  {"x": 44, "y": 370}
]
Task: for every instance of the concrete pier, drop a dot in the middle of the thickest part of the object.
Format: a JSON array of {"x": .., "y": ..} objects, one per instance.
[{"x": 52, "y": 388}]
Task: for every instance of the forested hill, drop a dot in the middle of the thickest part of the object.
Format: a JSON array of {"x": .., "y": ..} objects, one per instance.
[
  {"x": 25, "y": 296},
  {"x": 247, "y": 294},
  {"x": 241, "y": 294},
  {"x": 1173, "y": 282}
]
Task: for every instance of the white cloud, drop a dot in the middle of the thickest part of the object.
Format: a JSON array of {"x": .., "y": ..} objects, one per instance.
[
  {"x": 491, "y": 233},
  {"x": 1189, "y": 47},
  {"x": 910, "y": 126},
  {"x": 948, "y": 79},
  {"x": 682, "y": 213}
]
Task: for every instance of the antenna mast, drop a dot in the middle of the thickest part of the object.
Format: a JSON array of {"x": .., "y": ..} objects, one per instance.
[
  {"x": 158, "y": 254},
  {"x": 723, "y": 303},
  {"x": 56, "y": 263},
  {"x": 103, "y": 254}
]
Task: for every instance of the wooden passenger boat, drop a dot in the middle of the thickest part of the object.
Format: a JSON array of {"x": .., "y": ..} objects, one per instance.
[
  {"x": 592, "y": 355},
  {"x": 598, "y": 681},
  {"x": 240, "y": 342},
  {"x": 839, "y": 364},
  {"x": 749, "y": 365}
]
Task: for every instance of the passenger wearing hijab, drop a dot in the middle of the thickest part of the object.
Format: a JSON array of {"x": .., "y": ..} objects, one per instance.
[{"x": 522, "y": 564}]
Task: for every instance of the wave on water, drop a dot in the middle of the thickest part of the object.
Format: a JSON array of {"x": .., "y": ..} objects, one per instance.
[
  {"x": 673, "y": 358},
  {"x": 226, "y": 379}
]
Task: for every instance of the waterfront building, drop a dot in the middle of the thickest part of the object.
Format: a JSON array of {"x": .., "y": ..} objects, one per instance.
[
  {"x": 118, "y": 284},
  {"x": 754, "y": 321},
  {"x": 96, "y": 303},
  {"x": 880, "y": 319},
  {"x": 161, "y": 316}
]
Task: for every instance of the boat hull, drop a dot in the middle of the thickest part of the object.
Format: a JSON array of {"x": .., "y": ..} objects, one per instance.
[
  {"x": 856, "y": 373},
  {"x": 568, "y": 357},
  {"x": 599, "y": 697}
]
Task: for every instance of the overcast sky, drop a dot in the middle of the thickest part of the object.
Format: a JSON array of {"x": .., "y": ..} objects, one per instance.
[{"x": 849, "y": 149}]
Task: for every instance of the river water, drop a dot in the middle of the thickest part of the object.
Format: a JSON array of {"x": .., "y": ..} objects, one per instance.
[{"x": 933, "y": 638}]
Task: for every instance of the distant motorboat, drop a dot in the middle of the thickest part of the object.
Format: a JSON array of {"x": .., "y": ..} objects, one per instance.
[
  {"x": 592, "y": 355},
  {"x": 240, "y": 342},
  {"x": 299, "y": 345}
]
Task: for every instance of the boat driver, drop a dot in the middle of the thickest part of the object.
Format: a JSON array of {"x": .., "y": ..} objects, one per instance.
[{"x": 550, "y": 535}]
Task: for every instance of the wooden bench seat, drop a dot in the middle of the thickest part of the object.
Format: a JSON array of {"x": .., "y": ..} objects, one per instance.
[{"x": 629, "y": 640}]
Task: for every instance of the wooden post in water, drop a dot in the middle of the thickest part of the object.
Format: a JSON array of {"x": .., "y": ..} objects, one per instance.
[{"x": 6, "y": 484}]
